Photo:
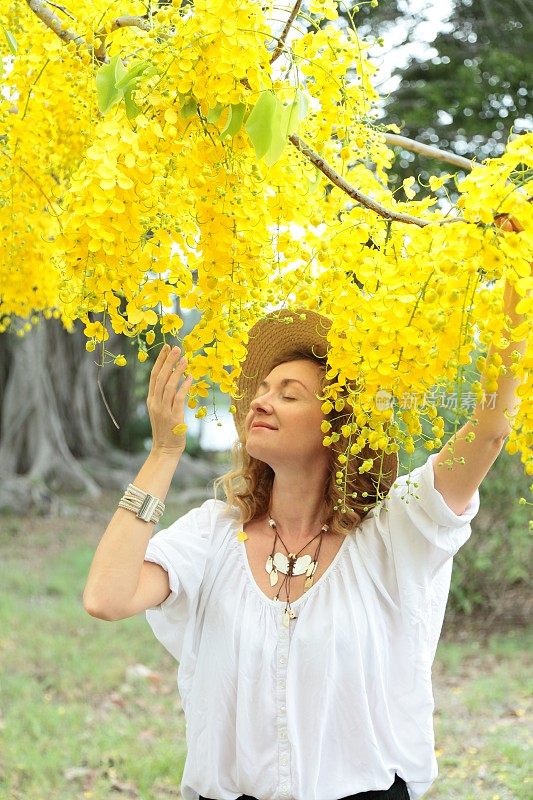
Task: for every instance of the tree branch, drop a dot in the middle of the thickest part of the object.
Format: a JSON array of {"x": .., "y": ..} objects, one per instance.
[
  {"x": 427, "y": 150},
  {"x": 358, "y": 196},
  {"x": 55, "y": 24},
  {"x": 281, "y": 41},
  {"x": 127, "y": 21},
  {"x": 120, "y": 22}
]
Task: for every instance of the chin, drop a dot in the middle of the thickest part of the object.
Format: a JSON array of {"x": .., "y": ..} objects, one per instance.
[{"x": 255, "y": 450}]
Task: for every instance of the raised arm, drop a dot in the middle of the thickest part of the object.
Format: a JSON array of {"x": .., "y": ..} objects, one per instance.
[
  {"x": 490, "y": 424},
  {"x": 120, "y": 583}
]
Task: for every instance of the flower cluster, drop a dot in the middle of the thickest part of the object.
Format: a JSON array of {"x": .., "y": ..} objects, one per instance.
[{"x": 166, "y": 202}]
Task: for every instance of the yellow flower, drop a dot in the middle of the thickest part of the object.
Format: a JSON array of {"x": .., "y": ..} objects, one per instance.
[
  {"x": 436, "y": 182},
  {"x": 140, "y": 316},
  {"x": 407, "y": 185},
  {"x": 171, "y": 323},
  {"x": 120, "y": 361},
  {"x": 179, "y": 429},
  {"x": 176, "y": 205},
  {"x": 202, "y": 388},
  {"x": 95, "y": 330},
  {"x": 242, "y": 536}
]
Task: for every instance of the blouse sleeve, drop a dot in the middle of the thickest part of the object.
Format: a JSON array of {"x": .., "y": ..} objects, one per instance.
[
  {"x": 415, "y": 522},
  {"x": 408, "y": 544},
  {"x": 182, "y": 550}
]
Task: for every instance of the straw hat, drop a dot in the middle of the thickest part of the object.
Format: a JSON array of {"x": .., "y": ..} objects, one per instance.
[
  {"x": 269, "y": 341},
  {"x": 272, "y": 339}
]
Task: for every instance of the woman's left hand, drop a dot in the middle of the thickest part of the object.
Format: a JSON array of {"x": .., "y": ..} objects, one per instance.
[{"x": 507, "y": 223}]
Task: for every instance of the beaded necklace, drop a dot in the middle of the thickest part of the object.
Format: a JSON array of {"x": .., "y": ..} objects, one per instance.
[{"x": 291, "y": 564}]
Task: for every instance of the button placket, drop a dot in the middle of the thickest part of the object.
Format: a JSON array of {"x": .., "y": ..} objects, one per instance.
[{"x": 281, "y": 709}]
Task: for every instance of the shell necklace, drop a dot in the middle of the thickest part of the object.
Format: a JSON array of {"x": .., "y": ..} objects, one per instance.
[{"x": 290, "y": 565}]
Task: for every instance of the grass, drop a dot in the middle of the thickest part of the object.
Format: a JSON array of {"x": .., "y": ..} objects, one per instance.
[
  {"x": 483, "y": 735},
  {"x": 80, "y": 719}
]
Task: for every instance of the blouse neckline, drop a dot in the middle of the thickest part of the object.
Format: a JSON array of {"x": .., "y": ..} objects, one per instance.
[{"x": 243, "y": 555}]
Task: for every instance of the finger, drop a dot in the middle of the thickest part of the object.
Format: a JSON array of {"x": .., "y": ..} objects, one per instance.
[
  {"x": 185, "y": 386},
  {"x": 158, "y": 364},
  {"x": 174, "y": 378},
  {"x": 502, "y": 221},
  {"x": 166, "y": 372},
  {"x": 517, "y": 225},
  {"x": 507, "y": 223},
  {"x": 181, "y": 394}
]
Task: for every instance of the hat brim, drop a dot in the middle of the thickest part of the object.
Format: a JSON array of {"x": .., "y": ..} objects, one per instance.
[{"x": 270, "y": 340}]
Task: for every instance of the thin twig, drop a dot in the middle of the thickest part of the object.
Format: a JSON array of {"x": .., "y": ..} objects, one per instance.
[
  {"x": 61, "y": 8},
  {"x": 101, "y": 389},
  {"x": 50, "y": 203},
  {"x": 357, "y": 195},
  {"x": 429, "y": 151},
  {"x": 34, "y": 84},
  {"x": 281, "y": 41}
]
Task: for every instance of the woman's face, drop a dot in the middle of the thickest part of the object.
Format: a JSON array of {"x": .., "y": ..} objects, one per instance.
[{"x": 283, "y": 423}]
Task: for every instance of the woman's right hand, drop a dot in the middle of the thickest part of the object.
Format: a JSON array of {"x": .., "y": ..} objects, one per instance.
[{"x": 166, "y": 402}]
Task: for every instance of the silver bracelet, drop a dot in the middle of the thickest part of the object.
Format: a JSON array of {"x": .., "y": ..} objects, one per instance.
[{"x": 144, "y": 505}]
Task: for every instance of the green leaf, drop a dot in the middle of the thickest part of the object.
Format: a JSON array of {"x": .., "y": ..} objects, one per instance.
[
  {"x": 313, "y": 185},
  {"x": 302, "y": 99},
  {"x": 141, "y": 70},
  {"x": 279, "y": 133},
  {"x": 235, "y": 118},
  {"x": 213, "y": 115},
  {"x": 107, "y": 78},
  {"x": 285, "y": 121},
  {"x": 132, "y": 109},
  {"x": 260, "y": 121},
  {"x": 11, "y": 41},
  {"x": 129, "y": 82},
  {"x": 189, "y": 107}
]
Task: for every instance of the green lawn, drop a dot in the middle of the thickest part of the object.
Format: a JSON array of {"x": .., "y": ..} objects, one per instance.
[{"x": 78, "y": 721}]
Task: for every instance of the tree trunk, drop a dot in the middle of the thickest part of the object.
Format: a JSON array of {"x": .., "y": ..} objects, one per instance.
[{"x": 51, "y": 415}]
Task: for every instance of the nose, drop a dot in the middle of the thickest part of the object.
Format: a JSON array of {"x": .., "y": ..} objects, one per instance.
[{"x": 261, "y": 403}]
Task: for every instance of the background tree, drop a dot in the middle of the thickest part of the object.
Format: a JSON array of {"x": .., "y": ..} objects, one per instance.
[{"x": 473, "y": 92}]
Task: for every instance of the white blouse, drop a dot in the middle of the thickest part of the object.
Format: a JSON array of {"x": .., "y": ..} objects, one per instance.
[{"x": 342, "y": 699}]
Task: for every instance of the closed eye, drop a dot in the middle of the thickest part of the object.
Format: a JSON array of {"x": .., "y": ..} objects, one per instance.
[{"x": 286, "y": 397}]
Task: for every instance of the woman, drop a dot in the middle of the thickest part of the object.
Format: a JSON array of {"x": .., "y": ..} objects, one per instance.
[{"x": 304, "y": 635}]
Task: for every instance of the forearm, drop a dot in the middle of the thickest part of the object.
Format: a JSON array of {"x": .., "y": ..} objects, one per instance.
[
  {"x": 115, "y": 570},
  {"x": 493, "y": 413}
]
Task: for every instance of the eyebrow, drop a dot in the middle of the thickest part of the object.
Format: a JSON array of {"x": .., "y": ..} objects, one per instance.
[{"x": 284, "y": 382}]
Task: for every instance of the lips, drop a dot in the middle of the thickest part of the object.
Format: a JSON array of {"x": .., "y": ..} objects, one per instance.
[{"x": 263, "y": 425}]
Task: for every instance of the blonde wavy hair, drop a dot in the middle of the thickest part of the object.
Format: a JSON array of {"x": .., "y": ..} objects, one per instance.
[{"x": 248, "y": 484}]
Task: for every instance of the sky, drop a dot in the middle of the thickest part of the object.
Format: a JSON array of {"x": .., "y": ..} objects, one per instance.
[{"x": 392, "y": 54}]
